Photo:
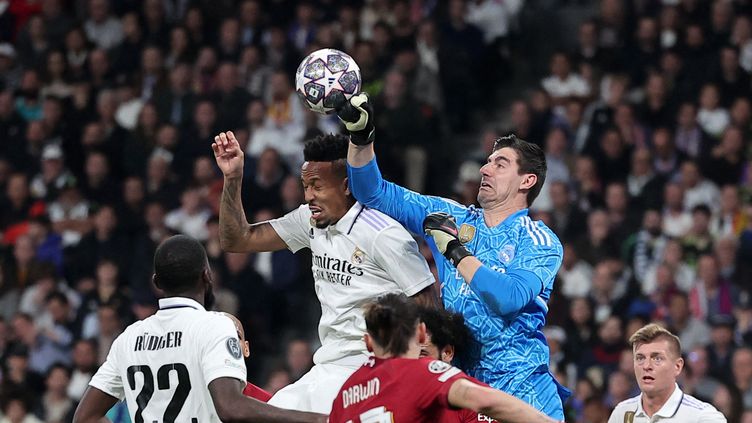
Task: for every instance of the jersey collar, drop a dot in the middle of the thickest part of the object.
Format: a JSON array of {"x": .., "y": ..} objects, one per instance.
[
  {"x": 345, "y": 224},
  {"x": 669, "y": 409},
  {"x": 511, "y": 218},
  {"x": 179, "y": 302}
]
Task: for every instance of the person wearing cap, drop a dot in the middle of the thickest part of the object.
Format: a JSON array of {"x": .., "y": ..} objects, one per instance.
[
  {"x": 53, "y": 175},
  {"x": 10, "y": 70},
  {"x": 657, "y": 364}
]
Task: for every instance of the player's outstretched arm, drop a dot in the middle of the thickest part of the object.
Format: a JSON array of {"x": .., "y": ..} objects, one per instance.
[
  {"x": 93, "y": 406},
  {"x": 364, "y": 176},
  {"x": 233, "y": 406},
  {"x": 493, "y": 403},
  {"x": 235, "y": 233}
]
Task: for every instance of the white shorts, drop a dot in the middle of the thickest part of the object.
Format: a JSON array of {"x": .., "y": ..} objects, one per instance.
[{"x": 316, "y": 390}]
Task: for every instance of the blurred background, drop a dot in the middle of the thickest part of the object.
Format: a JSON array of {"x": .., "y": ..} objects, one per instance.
[{"x": 108, "y": 110}]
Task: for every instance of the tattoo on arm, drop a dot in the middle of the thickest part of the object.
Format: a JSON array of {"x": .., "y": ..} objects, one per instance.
[{"x": 233, "y": 226}]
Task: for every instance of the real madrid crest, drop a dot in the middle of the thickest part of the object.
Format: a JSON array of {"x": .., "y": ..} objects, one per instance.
[
  {"x": 467, "y": 233},
  {"x": 357, "y": 256}
]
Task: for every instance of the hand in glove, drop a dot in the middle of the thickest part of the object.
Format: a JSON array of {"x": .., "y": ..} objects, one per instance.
[
  {"x": 357, "y": 115},
  {"x": 443, "y": 229}
]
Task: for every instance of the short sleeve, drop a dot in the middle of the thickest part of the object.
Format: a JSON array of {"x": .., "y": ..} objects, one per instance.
[
  {"x": 711, "y": 415},
  {"x": 397, "y": 253},
  {"x": 294, "y": 228},
  {"x": 437, "y": 378},
  {"x": 108, "y": 379},
  {"x": 220, "y": 352}
]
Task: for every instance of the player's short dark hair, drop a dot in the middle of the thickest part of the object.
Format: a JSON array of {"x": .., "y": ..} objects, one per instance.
[
  {"x": 447, "y": 328},
  {"x": 530, "y": 159},
  {"x": 178, "y": 264},
  {"x": 391, "y": 321},
  {"x": 326, "y": 148}
]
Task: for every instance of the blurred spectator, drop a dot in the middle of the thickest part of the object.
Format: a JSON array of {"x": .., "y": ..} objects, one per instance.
[
  {"x": 645, "y": 247},
  {"x": 17, "y": 409},
  {"x": 692, "y": 332},
  {"x": 697, "y": 379},
  {"x": 56, "y": 405},
  {"x": 575, "y": 274},
  {"x": 84, "y": 364},
  {"x": 741, "y": 367},
  {"x": 711, "y": 296},
  {"x": 190, "y": 219},
  {"x": 689, "y": 137},
  {"x": 562, "y": 83},
  {"x": 101, "y": 27},
  {"x": 721, "y": 348},
  {"x": 45, "y": 347},
  {"x": 568, "y": 221},
  {"x": 298, "y": 358}
]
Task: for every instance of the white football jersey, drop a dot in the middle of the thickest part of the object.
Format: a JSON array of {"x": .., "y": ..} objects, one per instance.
[
  {"x": 163, "y": 365},
  {"x": 364, "y": 255},
  {"x": 680, "y": 408}
]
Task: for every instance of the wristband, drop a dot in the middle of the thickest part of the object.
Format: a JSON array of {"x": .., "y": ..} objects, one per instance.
[{"x": 455, "y": 252}]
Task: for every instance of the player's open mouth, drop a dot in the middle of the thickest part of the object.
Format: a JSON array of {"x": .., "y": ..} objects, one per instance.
[
  {"x": 315, "y": 211},
  {"x": 648, "y": 378},
  {"x": 485, "y": 185}
]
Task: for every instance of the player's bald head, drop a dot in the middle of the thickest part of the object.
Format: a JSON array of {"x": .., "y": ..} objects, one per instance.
[{"x": 179, "y": 264}]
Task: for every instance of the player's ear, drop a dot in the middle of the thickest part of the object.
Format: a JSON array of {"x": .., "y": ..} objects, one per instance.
[
  {"x": 246, "y": 349},
  {"x": 447, "y": 353},
  {"x": 679, "y": 366},
  {"x": 369, "y": 342},
  {"x": 155, "y": 281},
  {"x": 422, "y": 333},
  {"x": 347, "y": 185},
  {"x": 528, "y": 181}
]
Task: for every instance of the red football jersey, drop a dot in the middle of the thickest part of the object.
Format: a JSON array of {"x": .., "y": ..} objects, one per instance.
[{"x": 397, "y": 390}]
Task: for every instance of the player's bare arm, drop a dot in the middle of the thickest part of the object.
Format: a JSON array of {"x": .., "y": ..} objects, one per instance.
[
  {"x": 233, "y": 406},
  {"x": 235, "y": 233},
  {"x": 93, "y": 406},
  {"x": 494, "y": 403}
]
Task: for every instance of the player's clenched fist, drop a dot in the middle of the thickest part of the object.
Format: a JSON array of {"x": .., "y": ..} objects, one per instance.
[
  {"x": 443, "y": 229},
  {"x": 357, "y": 115},
  {"x": 228, "y": 154}
]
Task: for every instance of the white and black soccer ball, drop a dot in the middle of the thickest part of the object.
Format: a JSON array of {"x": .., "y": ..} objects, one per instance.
[{"x": 325, "y": 76}]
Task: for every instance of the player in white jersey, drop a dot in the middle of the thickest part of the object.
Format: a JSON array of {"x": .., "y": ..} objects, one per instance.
[
  {"x": 183, "y": 363},
  {"x": 357, "y": 255},
  {"x": 657, "y": 364}
]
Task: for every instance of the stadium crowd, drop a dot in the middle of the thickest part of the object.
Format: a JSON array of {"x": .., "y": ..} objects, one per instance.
[{"x": 108, "y": 110}]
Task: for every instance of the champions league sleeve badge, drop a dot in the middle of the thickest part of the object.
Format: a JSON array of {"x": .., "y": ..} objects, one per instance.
[{"x": 233, "y": 347}]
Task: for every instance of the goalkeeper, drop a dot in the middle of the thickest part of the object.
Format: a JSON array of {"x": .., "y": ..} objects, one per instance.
[{"x": 495, "y": 264}]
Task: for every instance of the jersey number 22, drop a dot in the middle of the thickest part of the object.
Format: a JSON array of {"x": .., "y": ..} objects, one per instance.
[{"x": 163, "y": 382}]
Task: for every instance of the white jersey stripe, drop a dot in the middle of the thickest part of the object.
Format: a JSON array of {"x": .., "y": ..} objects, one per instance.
[
  {"x": 371, "y": 222},
  {"x": 375, "y": 216},
  {"x": 526, "y": 224}
]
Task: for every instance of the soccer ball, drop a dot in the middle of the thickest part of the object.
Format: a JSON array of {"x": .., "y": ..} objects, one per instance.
[{"x": 324, "y": 77}]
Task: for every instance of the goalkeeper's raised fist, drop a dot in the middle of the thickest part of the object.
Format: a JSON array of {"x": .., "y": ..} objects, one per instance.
[
  {"x": 443, "y": 229},
  {"x": 357, "y": 115}
]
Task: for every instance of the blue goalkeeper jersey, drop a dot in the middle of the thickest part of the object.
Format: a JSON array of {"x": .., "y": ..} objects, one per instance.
[{"x": 514, "y": 354}]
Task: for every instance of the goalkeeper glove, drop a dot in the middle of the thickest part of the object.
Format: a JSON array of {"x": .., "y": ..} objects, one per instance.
[
  {"x": 357, "y": 115},
  {"x": 443, "y": 229}
]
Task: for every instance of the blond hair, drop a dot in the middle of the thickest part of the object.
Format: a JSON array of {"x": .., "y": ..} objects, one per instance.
[{"x": 653, "y": 332}]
